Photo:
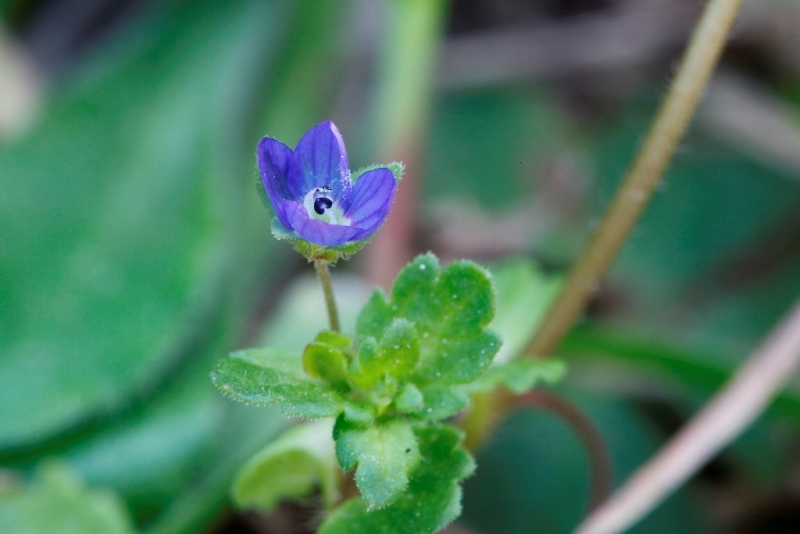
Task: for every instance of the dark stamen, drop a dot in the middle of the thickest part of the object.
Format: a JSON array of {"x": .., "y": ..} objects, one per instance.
[{"x": 321, "y": 204}]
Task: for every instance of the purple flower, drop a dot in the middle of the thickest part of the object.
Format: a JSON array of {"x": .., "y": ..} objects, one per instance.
[{"x": 313, "y": 195}]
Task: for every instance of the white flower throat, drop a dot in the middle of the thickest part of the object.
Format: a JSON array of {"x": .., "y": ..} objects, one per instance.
[{"x": 319, "y": 205}]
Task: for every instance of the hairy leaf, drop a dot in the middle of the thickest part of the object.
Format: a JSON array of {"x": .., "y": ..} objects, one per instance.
[
  {"x": 410, "y": 399},
  {"x": 263, "y": 376},
  {"x": 442, "y": 401},
  {"x": 449, "y": 310},
  {"x": 385, "y": 455},
  {"x": 397, "y": 354},
  {"x": 433, "y": 498}
]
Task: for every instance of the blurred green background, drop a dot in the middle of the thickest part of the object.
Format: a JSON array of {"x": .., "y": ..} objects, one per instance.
[{"x": 135, "y": 253}]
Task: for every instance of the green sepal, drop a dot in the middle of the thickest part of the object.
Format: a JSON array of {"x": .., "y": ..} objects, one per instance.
[
  {"x": 450, "y": 311},
  {"x": 324, "y": 361},
  {"x": 519, "y": 375},
  {"x": 291, "y": 467},
  {"x": 396, "y": 167},
  {"x": 433, "y": 497},
  {"x": 410, "y": 400},
  {"x": 384, "y": 456},
  {"x": 280, "y": 232},
  {"x": 267, "y": 375},
  {"x": 313, "y": 251}
]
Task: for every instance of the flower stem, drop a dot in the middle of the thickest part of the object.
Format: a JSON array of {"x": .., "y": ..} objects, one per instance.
[
  {"x": 644, "y": 174},
  {"x": 325, "y": 279}
]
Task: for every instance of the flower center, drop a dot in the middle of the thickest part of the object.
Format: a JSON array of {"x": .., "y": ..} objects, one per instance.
[{"x": 321, "y": 205}]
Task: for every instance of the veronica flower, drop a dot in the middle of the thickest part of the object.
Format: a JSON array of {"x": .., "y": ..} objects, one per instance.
[{"x": 312, "y": 192}]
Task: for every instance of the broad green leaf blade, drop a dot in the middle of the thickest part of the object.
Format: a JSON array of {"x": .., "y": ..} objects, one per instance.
[
  {"x": 290, "y": 467},
  {"x": 519, "y": 375},
  {"x": 449, "y": 310},
  {"x": 433, "y": 497},
  {"x": 385, "y": 455},
  {"x": 57, "y": 502},
  {"x": 264, "y": 376},
  {"x": 124, "y": 216}
]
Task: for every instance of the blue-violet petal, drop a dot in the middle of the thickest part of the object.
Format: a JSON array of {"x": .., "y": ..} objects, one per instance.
[
  {"x": 372, "y": 199},
  {"x": 273, "y": 162},
  {"x": 321, "y": 160},
  {"x": 316, "y": 231}
]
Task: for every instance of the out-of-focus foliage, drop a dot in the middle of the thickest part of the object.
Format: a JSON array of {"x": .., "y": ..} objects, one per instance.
[
  {"x": 134, "y": 253},
  {"x": 133, "y": 246},
  {"x": 58, "y": 503},
  {"x": 291, "y": 467}
]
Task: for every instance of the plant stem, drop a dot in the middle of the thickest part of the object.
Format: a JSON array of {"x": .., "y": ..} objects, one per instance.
[
  {"x": 325, "y": 279},
  {"x": 644, "y": 174}
]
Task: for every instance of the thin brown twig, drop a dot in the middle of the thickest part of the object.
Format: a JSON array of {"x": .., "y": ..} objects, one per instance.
[
  {"x": 599, "y": 457},
  {"x": 644, "y": 175},
  {"x": 739, "y": 403},
  {"x": 629, "y": 202}
]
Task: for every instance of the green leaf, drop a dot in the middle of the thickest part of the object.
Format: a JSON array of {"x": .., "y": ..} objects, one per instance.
[
  {"x": 128, "y": 216},
  {"x": 519, "y": 375},
  {"x": 263, "y": 376},
  {"x": 368, "y": 352},
  {"x": 385, "y": 455},
  {"x": 442, "y": 401},
  {"x": 290, "y": 467},
  {"x": 321, "y": 360},
  {"x": 433, "y": 497},
  {"x": 399, "y": 349},
  {"x": 450, "y": 311},
  {"x": 410, "y": 399},
  {"x": 57, "y": 502},
  {"x": 335, "y": 339},
  {"x": 396, "y": 355},
  {"x": 360, "y": 413}
]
